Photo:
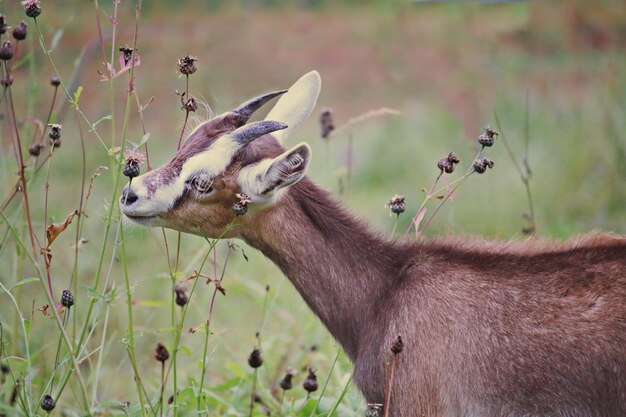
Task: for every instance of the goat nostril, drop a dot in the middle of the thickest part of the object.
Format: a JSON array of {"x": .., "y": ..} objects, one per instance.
[{"x": 128, "y": 197}]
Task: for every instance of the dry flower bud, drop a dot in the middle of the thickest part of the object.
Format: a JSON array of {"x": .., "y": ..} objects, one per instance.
[
  {"x": 448, "y": 163},
  {"x": 189, "y": 105},
  {"x": 373, "y": 410},
  {"x": 132, "y": 166},
  {"x": 67, "y": 299},
  {"x": 481, "y": 165},
  {"x": 310, "y": 383},
  {"x": 287, "y": 382},
  {"x": 397, "y": 346},
  {"x": 32, "y": 8},
  {"x": 327, "y": 123},
  {"x": 20, "y": 31},
  {"x": 35, "y": 149},
  {"x": 241, "y": 207},
  {"x": 187, "y": 65},
  {"x": 160, "y": 353},
  {"x": 7, "y": 81},
  {"x": 55, "y": 81},
  {"x": 55, "y": 131},
  {"x": 397, "y": 204},
  {"x": 6, "y": 51},
  {"x": 127, "y": 53},
  {"x": 3, "y": 24},
  {"x": 48, "y": 403},
  {"x": 181, "y": 296},
  {"x": 255, "y": 360}
]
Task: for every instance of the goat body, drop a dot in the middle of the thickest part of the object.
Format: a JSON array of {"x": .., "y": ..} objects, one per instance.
[
  {"x": 490, "y": 329},
  {"x": 527, "y": 328}
]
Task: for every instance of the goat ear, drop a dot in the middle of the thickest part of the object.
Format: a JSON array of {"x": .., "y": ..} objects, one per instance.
[
  {"x": 264, "y": 179},
  {"x": 295, "y": 106}
]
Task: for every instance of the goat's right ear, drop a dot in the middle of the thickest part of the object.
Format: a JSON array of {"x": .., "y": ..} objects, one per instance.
[{"x": 263, "y": 180}]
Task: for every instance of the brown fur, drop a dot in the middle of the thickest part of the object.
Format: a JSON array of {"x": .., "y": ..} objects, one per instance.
[{"x": 493, "y": 329}]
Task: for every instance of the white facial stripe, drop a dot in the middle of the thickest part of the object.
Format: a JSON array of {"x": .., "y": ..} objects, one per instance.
[{"x": 214, "y": 160}]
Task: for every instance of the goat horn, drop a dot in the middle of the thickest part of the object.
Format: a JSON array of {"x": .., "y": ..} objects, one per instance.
[
  {"x": 249, "y": 107},
  {"x": 247, "y": 133}
]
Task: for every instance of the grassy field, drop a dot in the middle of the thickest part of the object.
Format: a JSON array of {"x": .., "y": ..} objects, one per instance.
[{"x": 553, "y": 76}]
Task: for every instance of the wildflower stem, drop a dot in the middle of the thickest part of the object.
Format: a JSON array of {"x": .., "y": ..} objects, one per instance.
[
  {"x": 392, "y": 369},
  {"x": 20, "y": 160},
  {"x": 458, "y": 183},
  {"x": 428, "y": 196},
  {"x": 253, "y": 395}
]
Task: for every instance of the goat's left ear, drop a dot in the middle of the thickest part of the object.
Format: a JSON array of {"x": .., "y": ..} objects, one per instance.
[
  {"x": 263, "y": 180},
  {"x": 295, "y": 106}
]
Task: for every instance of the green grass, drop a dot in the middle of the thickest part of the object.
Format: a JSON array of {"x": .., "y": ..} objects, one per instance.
[{"x": 446, "y": 68}]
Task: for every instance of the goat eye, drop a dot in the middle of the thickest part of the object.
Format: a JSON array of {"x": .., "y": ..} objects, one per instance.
[{"x": 202, "y": 184}]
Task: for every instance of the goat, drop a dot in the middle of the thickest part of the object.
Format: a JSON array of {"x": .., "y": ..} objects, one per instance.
[{"x": 490, "y": 329}]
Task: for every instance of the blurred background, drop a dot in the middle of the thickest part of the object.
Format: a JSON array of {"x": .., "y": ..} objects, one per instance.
[{"x": 552, "y": 72}]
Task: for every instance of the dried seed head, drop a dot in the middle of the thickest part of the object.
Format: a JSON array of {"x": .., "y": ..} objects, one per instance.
[
  {"x": 310, "y": 383},
  {"x": 20, "y": 31},
  {"x": 134, "y": 159},
  {"x": 47, "y": 403},
  {"x": 55, "y": 81},
  {"x": 181, "y": 296},
  {"x": 35, "y": 149},
  {"x": 189, "y": 105},
  {"x": 287, "y": 382},
  {"x": 187, "y": 65},
  {"x": 171, "y": 399},
  {"x": 373, "y": 410},
  {"x": 481, "y": 165},
  {"x": 67, "y": 299},
  {"x": 160, "y": 353},
  {"x": 3, "y": 24},
  {"x": 448, "y": 163},
  {"x": 255, "y": 360},
  {"x": 55, "y": 131},
  {"x": 7, "y": 81},
  {"x": 397, "y": 204},
  {"x": 241, "y": 206},
  {"x": 488, "y": 137},
  {"x": 397, "y": 346},
  {"x": 127, "y": 53},
  {"x": 32, "y": 8},
  {"x": 6, "y": 51},
  {"x": 327, "y": 123}
]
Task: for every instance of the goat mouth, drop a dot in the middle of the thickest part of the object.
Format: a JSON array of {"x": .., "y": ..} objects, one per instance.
[{"x": 142, "y": 219}]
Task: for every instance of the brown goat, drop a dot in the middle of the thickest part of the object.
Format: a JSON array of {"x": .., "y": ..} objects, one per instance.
[{"x": 528, "y": 328}]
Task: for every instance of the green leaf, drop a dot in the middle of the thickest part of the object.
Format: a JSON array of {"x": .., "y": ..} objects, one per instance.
[
  {"x": 77, "y": 94},
  {"x": 23, "y": 282},
  {"x": 144, "y": 139},
  {"x": 107, "y": 117}
]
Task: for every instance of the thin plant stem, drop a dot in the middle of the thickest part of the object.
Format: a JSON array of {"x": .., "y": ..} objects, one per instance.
[
  {"x": 18, "y": 144},
  {"x": 26, "y": 338},
  {"x": 524, "y": 176},
  {"x": 130, "y": 328},
  {"x": 253, "y": 394},
  {"x": 332, "y": 367},
  {"x": 55, "y": 313},
  {"x": 446, "y": 198},
  {"x": 387, "y": 405},
  {"x": 395, "y": 225}
]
